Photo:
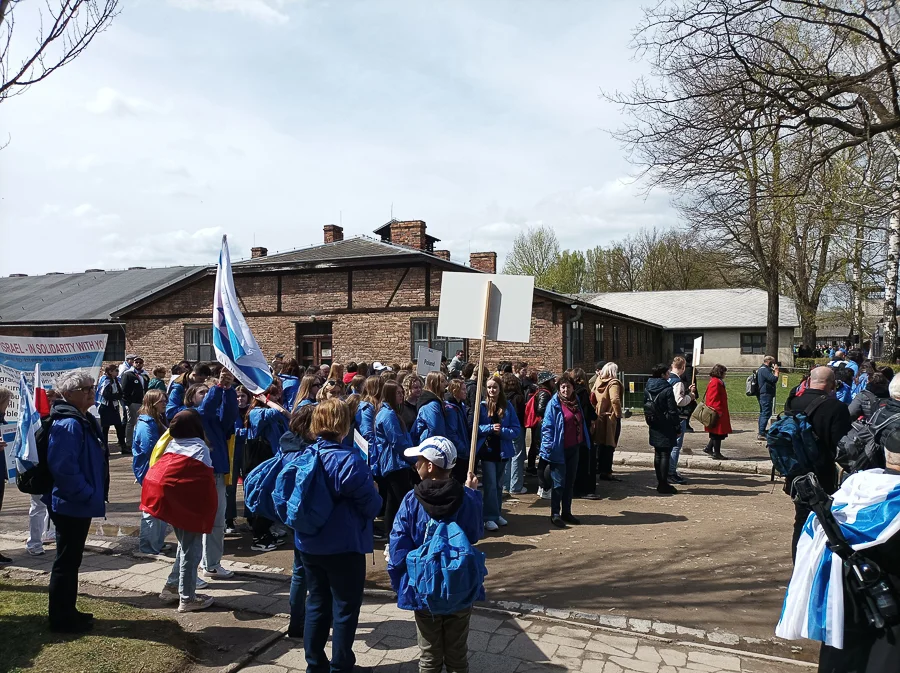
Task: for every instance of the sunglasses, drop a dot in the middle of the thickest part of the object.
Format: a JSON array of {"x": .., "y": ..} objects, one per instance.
[
  {"x": 87, "y": 389},
  {"x": 331, "y": 382}
]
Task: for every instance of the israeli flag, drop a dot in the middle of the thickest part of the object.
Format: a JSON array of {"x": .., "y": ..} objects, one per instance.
[
  {"x": 867, "y": 507},
  {"x": 25, "y": 445},
  {"x": 233, "y": 341}
]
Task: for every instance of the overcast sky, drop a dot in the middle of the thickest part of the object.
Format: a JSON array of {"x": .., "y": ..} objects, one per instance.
[{"x": 266, "y": 119}]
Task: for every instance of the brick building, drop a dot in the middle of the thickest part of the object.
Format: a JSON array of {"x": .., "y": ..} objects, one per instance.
[{"x": 357, "y": 299}]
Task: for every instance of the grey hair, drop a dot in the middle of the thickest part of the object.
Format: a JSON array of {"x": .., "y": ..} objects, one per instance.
[
  {"x": 610, "y": 371},
  {"x": 72, "y": 380},
  {"x": 894, "y": 387}
]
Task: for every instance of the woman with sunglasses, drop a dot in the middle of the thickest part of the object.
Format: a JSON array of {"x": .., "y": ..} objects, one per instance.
[
  {"x": 331, "y": 389},
  {"x": 308, "y": 392}
]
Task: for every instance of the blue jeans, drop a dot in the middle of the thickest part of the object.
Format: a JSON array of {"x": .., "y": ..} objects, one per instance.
[
  {"x": 563, "y": 477},
  {"x": 335, "y": 583},
  {"x": 676, "y": 450},
  {"x": 298, "y": 596},
  {"x": 765, "y": 412},
  {"x": 514, "y": 473},
  {"x": 187, "y": 558},
  {"x": 153, "y": 534},
  {"x": 492, "y": 475}
]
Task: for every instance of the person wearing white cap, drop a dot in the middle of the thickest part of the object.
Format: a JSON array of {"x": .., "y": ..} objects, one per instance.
[{"x": 378, "y": 367}]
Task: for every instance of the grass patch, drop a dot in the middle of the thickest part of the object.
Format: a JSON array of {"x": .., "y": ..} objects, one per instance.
[{"x": 124, "y": 639}]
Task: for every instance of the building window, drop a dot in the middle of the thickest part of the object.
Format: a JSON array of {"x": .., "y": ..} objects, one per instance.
[
  {"x": 198, "y": 344},
  {"x": 629, "y": 341},
  {"x": 46, "y": 333},
  {"x": 599, "y": 350},
  {"x": 424, "y": 333},
  {"x": 615, "y": 345},
  {"x": 753, "y": 343},
  {"x": 115, "y": 345},
  {"x": 577, "y": 328},
  {"x": 683, "y": 342}
]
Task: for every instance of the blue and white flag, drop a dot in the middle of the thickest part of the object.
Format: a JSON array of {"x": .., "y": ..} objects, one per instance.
[
  {"x": 233, "y": 341},
  {"x": 25, "y": 446},
  {"x": 867, "y": 507}
]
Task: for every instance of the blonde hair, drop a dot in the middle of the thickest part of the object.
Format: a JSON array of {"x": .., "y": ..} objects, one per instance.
[
  {"x": 434, "y": 382},
  {"x": 336, "y": 372},
  {"x": 328, "y": 389},
  {"x": 331, "y": 420},
  {"x": 408, "y": 381},
  {"x": 455, "y": 386},
  {"x": 610, "y": 371},
  {"x": 148, "y": 407},
  {"x": 679, "y": 362}
]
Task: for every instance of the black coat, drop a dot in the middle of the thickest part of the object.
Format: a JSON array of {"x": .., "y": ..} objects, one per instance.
[
  {"x": 584, "y": 399},
  {"x": 541, "y": 399},
  {"x": 661, "y": 414},
  {"x": 830, "y": 421},
  {"x": 133, "y": 387}
]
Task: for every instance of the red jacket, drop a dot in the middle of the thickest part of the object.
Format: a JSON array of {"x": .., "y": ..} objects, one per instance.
[{"x": 717, "y": 399}]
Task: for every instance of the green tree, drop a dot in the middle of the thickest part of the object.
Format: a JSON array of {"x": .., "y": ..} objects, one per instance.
[{"x": 535, "y": 252}]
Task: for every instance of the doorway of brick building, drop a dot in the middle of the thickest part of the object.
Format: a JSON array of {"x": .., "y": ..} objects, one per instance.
[{"x": 314, "y": 346}]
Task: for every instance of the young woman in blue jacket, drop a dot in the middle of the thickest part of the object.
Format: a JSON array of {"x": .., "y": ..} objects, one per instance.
[
  {"x": 334, "y": 561},
  {"x": 392, "y": 440},
  {"x": 309, "y": 389},
  {"x": 563, "y": 431},
  {"x": 269, "y": 424},
  {"x": 290, "y": 382},
  {"x": 151, "y": 423},
  {"x": 430, "y": 410},
  {"x": 366, "y": 412},
  {"x": 498, "y": 428},
  {"x": 459, "y": 430}
]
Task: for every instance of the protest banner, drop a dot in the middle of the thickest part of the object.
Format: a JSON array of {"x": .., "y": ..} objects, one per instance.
[
  {"x": 54, "y": 355},
  {"x": 695, "y": 358},
  {"x": 428, "y": 360}
]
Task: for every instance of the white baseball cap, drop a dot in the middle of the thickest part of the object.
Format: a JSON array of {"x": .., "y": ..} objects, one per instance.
[
  {"x": 438, "y": 450},
  {"x": 378, "y": 367}
]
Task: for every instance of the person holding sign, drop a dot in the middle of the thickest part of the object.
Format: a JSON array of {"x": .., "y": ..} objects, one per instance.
[{"x": 498, "y": 428}]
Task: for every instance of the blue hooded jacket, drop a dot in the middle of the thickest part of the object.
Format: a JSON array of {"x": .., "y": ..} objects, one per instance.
[
  {"x": 429, "y": 418},
  {"x": 408, "y": 534},
  {"x": 78, "y": 462},
  {"x": 509, "y": 430},
  {"x": 392, "y": 441},
  {"x": 552, "y": 432},
  {"x": 290, "y": 386},
  {"x": 270, "y": 424},
  {"x": 356, "y": 504},
  {"x": 219, "y": 412},
  {"x": 844, "y": 393},
  {"x": 365, "y": 423},
  {"x": 459, "y": 430},
  {"x": 146, "y": 434},
  {"x": 176, "y": 399}
]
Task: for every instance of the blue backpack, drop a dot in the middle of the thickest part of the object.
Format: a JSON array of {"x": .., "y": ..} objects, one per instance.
[
  {"x": 259, "y": 486},
  {"x": 302, "y": 499},
  {"x": 792, "y": 444},
  {"x": 446, "y": 572}
]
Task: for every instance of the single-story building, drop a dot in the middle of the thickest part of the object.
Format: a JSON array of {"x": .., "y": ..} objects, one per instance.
[{"x": 731, "y": 322}]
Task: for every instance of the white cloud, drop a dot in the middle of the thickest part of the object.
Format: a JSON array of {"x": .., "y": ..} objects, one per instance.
[
  {"x": 150, "y": 249},
  {"x": 83, "y": 210},
  {"x": 110, "y": 101},
  {"x": 265, "y": 11}
]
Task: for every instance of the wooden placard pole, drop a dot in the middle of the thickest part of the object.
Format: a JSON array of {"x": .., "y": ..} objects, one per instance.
[{"x": 476, "y": 412}]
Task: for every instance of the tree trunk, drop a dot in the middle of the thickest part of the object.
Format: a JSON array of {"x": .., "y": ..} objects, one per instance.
[
  {"x": 808, "y": 326},
  {"x": 889, "y": 310},
  {"x": 772, "y": 313},
  {"x": 857, "y": 282}
]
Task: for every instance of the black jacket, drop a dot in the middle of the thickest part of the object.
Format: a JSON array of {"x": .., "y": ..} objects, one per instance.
[
  {"x": 541, "y": 399},
  {"x": 661, "y": 414},
  {"x": 408, "y": 413},
  {"x": 584, "y": 399},
  {"x": 133, "y": 387},
  {"x": 471, "y": 388},
  {"x": 830, "y": 421}
]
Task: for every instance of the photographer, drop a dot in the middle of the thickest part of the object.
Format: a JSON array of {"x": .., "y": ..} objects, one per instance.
[{"x": 767, "y": 379}]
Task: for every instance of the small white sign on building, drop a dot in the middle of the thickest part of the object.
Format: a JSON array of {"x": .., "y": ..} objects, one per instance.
[
  {"x": 462, "y": 306},
  {"x": 428, "y": 360}
]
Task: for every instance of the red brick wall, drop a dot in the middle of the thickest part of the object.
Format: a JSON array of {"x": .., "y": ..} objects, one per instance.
[
  {"x": 483, "y": 261},
  {"x": 410, "y": 233}
]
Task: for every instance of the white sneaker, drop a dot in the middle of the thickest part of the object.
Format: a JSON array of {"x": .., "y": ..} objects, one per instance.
[
  {"x": 521, "y": 491},
  {"x": 547, "y": 494},
  {"x": 198, "y": 602},
  {"x": 201, "y": 583},
  {"x": 35, "y": 552},
  {"x": 502, "y": 521},
  {"x": 169, "y": 594},
  {"x": 491, "y": 526},
  {"x": 218, "y": 573}
]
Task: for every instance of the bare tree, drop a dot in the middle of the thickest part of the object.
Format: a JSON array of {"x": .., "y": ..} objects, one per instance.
[
  {"x": 65, "y": 29},
  {"x": 534, "y": 252}
]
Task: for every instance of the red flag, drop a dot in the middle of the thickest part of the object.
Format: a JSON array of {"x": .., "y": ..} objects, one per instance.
[
  {"x": 41, "y": 403},
  {"x": 181, "y": 490}
]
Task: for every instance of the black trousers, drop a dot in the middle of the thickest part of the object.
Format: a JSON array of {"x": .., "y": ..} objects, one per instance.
[
  {"x": 397, "y": 484},
  {"x": 661, "y": 460},
  {"x": 535, "y": 447},
  {"x": 71, "y": 534},
  {"x": 109, "y": 417},
  {"x": 586, "y": 475},
  {"x": 801, "y": 513}
]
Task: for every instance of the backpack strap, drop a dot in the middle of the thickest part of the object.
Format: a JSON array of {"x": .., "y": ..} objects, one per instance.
[{"x": 815, "y": 404}]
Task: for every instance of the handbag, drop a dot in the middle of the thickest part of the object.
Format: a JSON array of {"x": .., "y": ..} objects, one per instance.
[{"x": 706, "y": 416}]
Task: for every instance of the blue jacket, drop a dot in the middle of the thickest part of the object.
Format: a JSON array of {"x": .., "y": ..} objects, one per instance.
[
  {"x": 303, "y": 403},
  {"x": 767, "y": 381},
  {"x": 365, "y": 423},
  {"x": 267, "y": 423},
  {"x": 844, "y": 393},
  {"x": 289, "y": 446},
  {"x": 429, "y": 418},
  {"x": 78, "y": 462},
  {"x": 176, "y": 400},
  {"x": 408, "y": 534},
  {"x": 459, "y": 430},
  {"x": 509, "y": 430},
  {"x": 356, "y": 504},
  {"x": 552, "y": 432},
  {"x": 146, "y": 434},
  {"x": 290, "y": 386},
  {"x": 219, "y": 412},
  {"x": 392, "y": 441}
]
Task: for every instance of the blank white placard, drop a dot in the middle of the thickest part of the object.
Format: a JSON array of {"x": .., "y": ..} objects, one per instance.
[{"x": 461, "y": 312}]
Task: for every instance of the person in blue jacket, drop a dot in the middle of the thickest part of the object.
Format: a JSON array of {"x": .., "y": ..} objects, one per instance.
[
  {"x": 498, "y": 428},
  {"x": 366, "y": 412},
  {"x": 334, "y": 559},
  {"x": 268, "y": 424},
  {"x": 392, "y": 440},
  {"x": 562, "y": 432},
  {"x": 80, "y": 468},
  {"x": 437, "y": 497},
  {"x": 199, "y": 374},
  {"x": 430, "y": 410},
  {"x": 290, "y": 382},
  {"x": 459, "y": 429},
  {"x": 151, "y": 423}
]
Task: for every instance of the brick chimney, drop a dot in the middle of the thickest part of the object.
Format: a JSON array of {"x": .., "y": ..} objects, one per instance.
[
  {"x": 443, "y": 254},
  {"x": 483, "y": 261},
  {"x": 258, "y": 252},
  {"x": 333, "y": 233},
  {"x": 410, "y": 233}
]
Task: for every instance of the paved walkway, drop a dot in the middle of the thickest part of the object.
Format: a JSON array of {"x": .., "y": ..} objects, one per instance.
[{"x": 498, "y": 642}]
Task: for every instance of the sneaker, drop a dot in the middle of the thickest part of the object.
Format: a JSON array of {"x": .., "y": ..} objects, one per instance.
[
  {"x": 147, "y": 554},
  {"x": 165, "y": 548},
  {"x": 491, "y": 526},
  {"x": 198, "y": 602},
  {"x": 277, "y": 530},
  {"x": 719, "y": 456},
  {"x": 677, "y": 479},
  {"x": 666, "y": 489},
  {"x": 169, "y": 594},
  {"x": 521, "y": 491},
  {"x": 568, "y": 518},
  {"x": 5, "y": 559},
  {"x": 280, "y": 540},
  {"x": 218, "y": 573},
  {"x": 760, "y": 438},
  {"x": 201, "y": 583},
  {"x": 502, "y": 521},
  {"x": 558, "y": 522},
  {"x": 35, "y": 552},
  {"x": 265, "y": 543},
  {"x": 544, "y": 493}
]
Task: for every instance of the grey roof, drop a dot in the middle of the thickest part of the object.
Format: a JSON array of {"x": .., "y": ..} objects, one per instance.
[
  {"x": 697, "y": 309},
  {"x": 81, "y": 297},
  {"x": 346, "y": 250}
]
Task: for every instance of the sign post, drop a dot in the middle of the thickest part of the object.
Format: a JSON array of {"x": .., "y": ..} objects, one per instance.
[{"x": 480, "y": 380}]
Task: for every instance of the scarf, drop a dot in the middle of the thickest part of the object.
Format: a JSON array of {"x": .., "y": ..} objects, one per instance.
[{"x": 571, "y": 403}]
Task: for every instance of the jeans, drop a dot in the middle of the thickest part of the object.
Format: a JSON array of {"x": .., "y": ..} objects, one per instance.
[
  {"x": 492, "y": 475},
  {"x": 563, "y": 476},
  {"x": 187, "y": 558},
  {"x": 298, "y": 596},
  {"x": 214, "y": 543},
  {"x": 153, "y": 534},
  {"x": 40, "y": 528},
  {"x": 765, "y": 412},
  {"x": 514, "y": 473},
  {"x": 335, "y": 583},
  {"x": 133, "y": 410},
  {"x": 661, "y": 461},
  {"x": 71, "y": 534},
  {"x": 443, "y": 639},
  {"x": 676, "y": 450}
]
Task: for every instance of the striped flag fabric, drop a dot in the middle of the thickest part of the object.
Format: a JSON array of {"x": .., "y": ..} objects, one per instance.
[
  {"x": 234, "y": 344},
  {"x": 25, "y": 447},
  {"x": 41, "y": 402}
]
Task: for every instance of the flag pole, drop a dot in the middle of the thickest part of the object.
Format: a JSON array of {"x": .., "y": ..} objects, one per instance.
[{"x": 476, "y": 412}]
